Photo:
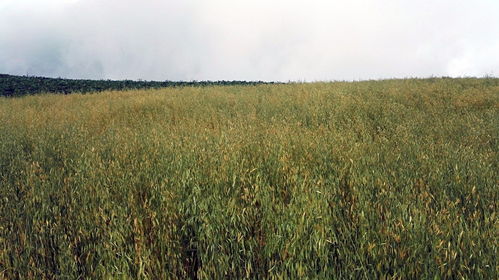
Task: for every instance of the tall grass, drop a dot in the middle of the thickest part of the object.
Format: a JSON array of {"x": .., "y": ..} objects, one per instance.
[{"x": 389, "y": 179}]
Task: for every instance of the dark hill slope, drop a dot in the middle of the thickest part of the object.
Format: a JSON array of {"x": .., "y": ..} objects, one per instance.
[{"x": 11, "y": 85}]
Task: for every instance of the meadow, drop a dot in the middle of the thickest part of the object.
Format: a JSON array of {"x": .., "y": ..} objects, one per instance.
[{"x": 394, "y": 179}]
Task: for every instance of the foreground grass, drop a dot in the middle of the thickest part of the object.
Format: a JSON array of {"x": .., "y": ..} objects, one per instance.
[{"x": 388, "y": 179}]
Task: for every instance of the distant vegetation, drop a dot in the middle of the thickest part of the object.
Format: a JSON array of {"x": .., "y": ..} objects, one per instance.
[
  {"x": 23, "y": 85},
  {"x": 369, "y": 180}
]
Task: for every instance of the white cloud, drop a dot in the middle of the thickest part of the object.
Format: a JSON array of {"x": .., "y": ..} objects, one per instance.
[{"x": 249, "y": 40}]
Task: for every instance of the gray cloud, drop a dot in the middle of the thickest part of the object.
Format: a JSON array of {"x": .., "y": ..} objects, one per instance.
[{"x": 249, "y": 40}]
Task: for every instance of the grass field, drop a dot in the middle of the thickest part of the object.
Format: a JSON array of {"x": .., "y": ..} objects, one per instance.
[{"x": 366, "y": 180}]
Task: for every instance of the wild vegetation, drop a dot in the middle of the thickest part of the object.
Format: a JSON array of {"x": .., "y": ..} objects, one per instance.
[
  {"x": 23, "y": 85},
  {"x": 393, "y": 179}
]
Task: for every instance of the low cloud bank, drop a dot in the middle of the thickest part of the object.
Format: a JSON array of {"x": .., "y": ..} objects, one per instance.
[{"x": 249, "y": 40}]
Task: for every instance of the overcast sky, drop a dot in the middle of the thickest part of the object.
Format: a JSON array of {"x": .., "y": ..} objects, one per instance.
[{"x": 249, "y": 39}]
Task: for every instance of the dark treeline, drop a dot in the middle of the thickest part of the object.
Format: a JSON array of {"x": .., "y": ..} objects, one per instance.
[{"x": 11, "y": 85}]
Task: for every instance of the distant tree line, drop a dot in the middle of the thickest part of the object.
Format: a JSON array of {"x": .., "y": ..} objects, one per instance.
[{"x": 11, "y": 85}]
